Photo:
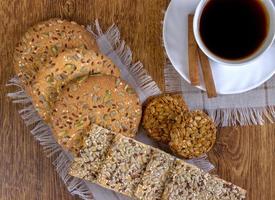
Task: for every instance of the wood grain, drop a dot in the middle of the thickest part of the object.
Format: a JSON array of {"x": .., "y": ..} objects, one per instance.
[{"x": 244, "y": 155}]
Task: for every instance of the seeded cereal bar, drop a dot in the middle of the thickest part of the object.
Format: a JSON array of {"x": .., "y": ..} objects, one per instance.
[
  {"x": 156, "y": 173},
  {"x": 142, "y": 172},
  {"x": 88, "y": 163},
  {"x": 125, "y": 164},
  {"x": 190, "y": 182}
]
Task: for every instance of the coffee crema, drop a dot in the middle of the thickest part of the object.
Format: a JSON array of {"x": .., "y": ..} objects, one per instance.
[{"x": 234, "y": 29}]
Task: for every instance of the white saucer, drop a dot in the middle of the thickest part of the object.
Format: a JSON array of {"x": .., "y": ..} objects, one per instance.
[{"x": 228, "y": 79}]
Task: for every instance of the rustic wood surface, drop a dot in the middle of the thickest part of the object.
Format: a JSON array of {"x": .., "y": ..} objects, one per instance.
[{"x": 244, "y": 155}]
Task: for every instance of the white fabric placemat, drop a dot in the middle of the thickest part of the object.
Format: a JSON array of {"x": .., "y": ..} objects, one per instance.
[{"x": 254, "y": 107}]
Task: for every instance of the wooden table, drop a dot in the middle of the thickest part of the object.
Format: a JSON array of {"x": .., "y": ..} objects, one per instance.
[{"x": 243, "y": 155}]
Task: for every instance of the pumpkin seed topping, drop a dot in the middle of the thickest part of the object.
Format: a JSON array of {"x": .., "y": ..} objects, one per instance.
[
  {"x": 70, "y": 67},
  {"x": 54, "y": 50}
]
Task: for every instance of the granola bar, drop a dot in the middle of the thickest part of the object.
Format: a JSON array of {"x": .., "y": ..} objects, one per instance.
[
  {"x": 88, "y": 163},
  {"x": 124, "y": 166},
  {"x": 189, "y": 182},
  {"x": 154, "y": 178},
  {"x": 142, "y": 172}
]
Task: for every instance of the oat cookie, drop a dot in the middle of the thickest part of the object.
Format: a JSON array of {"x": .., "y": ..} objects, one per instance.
[
  {"x": 153, "y": 181},
  {"x": 104, "y": 100},
  {"x": 194, "y": 135},
  {"x": 69, "y": 65},
  {"x": 89, "y": 159},
  {"x": 125, "y": 164},
  {"x": 190, "y": 182},
  {"x": 160, "y": 114},
  {"x": 44, "y": 41}
]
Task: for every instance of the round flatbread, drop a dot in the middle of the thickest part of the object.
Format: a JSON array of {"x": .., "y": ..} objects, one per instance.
[
  {"x": 194, "y": 135},
  {"x": 103, "y": 100},
  {"x": 160, "y": 114},
  {"x": 69, "y": 65},
  {"x": 44, "y": 41}
]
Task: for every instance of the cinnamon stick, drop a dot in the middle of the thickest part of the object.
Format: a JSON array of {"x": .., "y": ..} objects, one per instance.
[
  {"x": 192, "y": 54},
  {"x": 207, "y": 75}
]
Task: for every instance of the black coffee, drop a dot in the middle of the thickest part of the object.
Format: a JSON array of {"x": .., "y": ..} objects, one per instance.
[{"x": 234, "y": 29}]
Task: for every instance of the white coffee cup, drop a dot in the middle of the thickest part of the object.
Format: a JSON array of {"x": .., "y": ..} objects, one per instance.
[{"x": 264, "y": 47}]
